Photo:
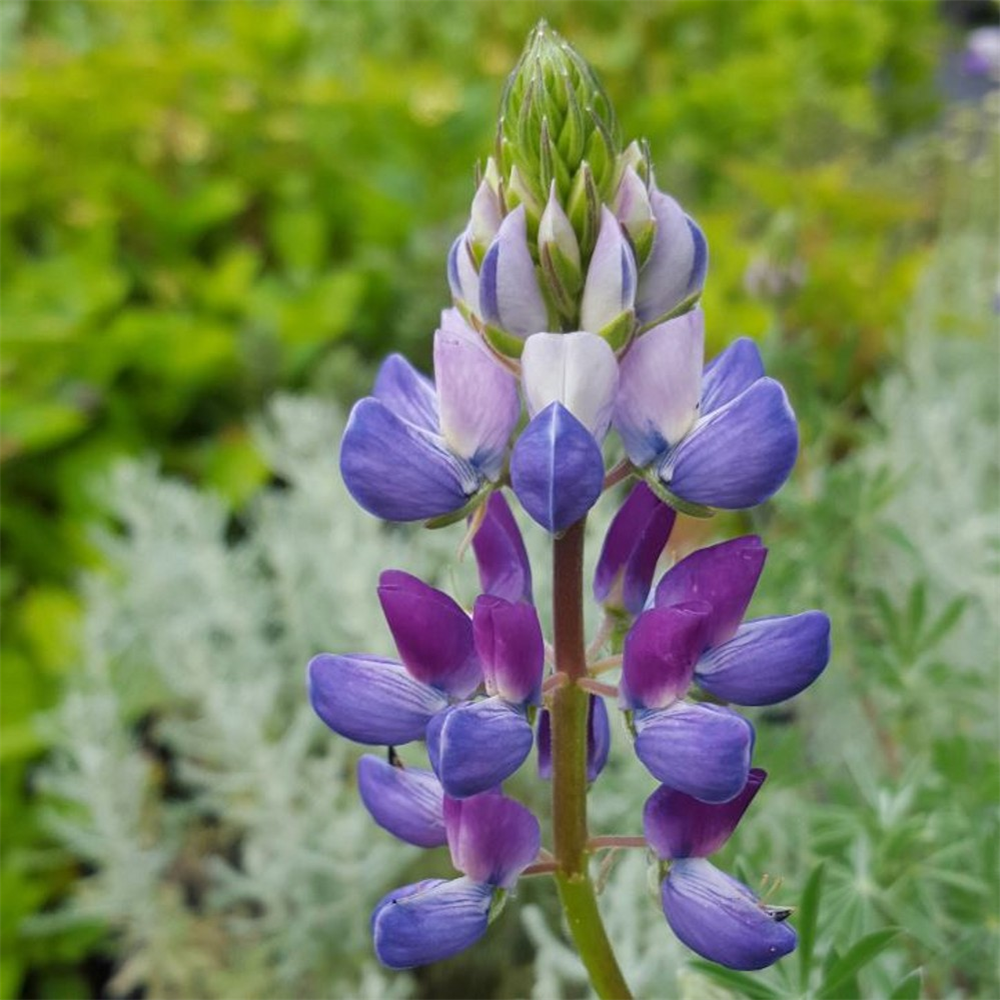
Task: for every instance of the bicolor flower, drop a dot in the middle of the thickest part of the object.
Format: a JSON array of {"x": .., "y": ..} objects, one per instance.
[
  {"x": 598, "y": 739},
  {"x": 607, "y": 304},
  {"x": 492, "y": 840},
  {"x": 700, "y": 749},
  {"x": 475, "y": 745},
  {"x": 501, "y": 558},
  {"x": 416, "y": 450},
  {"x": 675, "y": 270},
  {"x": 759, "y": 662},
  {"x": 383, "y": 702},
  {"x": 711, "y": 912},
  {"x": 724, "y": 438},
  {"x": 632, "y": 547},
  {"x": 556, "y": 468}
]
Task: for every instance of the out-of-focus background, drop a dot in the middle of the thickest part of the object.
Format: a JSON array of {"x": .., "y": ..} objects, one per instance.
[{"x": 216, "y": 218}]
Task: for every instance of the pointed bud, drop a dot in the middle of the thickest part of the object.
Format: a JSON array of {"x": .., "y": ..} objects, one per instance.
[
  {"x": 509, "y": 296},
  {"x": 559, "y": 253},
  {"x": 484, "y": 220},
  {"x": 584, "y": 208},
  {"x": 553, "y": 114},
  {"x": 463, "y": 280},
  {"x": 635, "y": 212},
  {"x": 609, "y": 292}
]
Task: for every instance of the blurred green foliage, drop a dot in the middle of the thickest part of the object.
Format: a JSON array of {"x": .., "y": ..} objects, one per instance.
[{"x": 205, "y": 202}]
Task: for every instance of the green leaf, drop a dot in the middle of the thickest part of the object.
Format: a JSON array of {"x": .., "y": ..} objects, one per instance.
[
  {"x": 808, "y": 916},
  {"x": 744, "y": 984},
  {"x": 909, "y": 986},
  {"x": 860, "y": 954}
]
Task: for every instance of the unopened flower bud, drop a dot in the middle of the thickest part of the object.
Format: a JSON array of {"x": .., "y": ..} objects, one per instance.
[
  {"x": 484, "y": 220},
  {"x": 609, "y": 292},
  {"x": 554, "y": 115},
  {"x": 559, "y": 253},
  {"x": 634, "y": 211}
]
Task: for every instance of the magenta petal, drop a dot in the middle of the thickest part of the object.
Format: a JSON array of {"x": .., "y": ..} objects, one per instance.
[
  {"x": 632, "y": 548},
  {"x": 679, "y": 826},
  {"x": 738, "y": 455},
  {"x": 702, "y": 750},
  {"x": 432, "y": 633},
  {"x": 407, "y": 393},
  {"x": 728, "y": 374},
  {"x": 509, "y": 641},
  {"x": 721, "y": 919},
  {"x": 722, "y": 575},
  {"x": 476, "y": 745},
  {"x": 768, "y": 660},
  {"x": 430, "y": 921},
  {"x": 660, "y": 653},
  {"x": 492, "y": 838},
  {"x": 556, "y": 469},
  {"x": 504, "y": 569},
  {"x": 398, "y": 471},
  {"x": 406, "y": 801},
  {"x": 371, "y": 700}
]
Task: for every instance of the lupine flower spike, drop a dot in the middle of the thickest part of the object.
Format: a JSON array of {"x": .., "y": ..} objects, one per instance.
[{"x": 574, "y": 337}]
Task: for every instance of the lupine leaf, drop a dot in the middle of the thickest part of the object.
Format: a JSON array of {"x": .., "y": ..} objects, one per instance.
[
  {"x": 744, "y": 983},
  {"x": 857, "y": 957},
  {"x": 806, "y": 923}
]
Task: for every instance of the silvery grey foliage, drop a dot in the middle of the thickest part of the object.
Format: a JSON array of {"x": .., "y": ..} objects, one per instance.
[{"x": 226, "y": 845}]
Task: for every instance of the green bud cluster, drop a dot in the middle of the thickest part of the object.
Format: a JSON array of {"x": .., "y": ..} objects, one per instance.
[{"x": 557, "y": 132}]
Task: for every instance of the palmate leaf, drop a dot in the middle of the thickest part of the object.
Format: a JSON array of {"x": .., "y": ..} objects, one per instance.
[{"x": 908, "y": 988}]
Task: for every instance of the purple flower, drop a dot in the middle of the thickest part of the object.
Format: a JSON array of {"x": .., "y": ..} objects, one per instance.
[
  {"x": 475, "y": 745},
  {"x": 693, "y": 633},
  {"x": 632, "y": 547},
  {"x": 598, "y": 740},
  {"x": 492, "y": 840},
  {"x": 556, "y": 468},
  {"x": 724, "y": 438},
  {"x": 703, "y": 750},
  {"x": 412, "y": 451},
  {"x": 712, "y": 913},
  {"x": 502, "y": 560},
  {"x": 759, "y": 662},
  {"x": 383, "y": 702}
]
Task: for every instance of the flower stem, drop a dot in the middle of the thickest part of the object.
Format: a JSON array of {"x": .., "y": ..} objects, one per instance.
[{"x": 569, "y": 772}]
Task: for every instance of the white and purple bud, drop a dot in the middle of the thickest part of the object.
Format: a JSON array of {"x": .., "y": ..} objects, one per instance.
[
  {"x": 674, "y": 272},
  {"x": 634, "y": 210},
  {"x": 559, "y": 253},
  {"x": 463, "y": 278},
  {"x": 607, "y": 305},
  {"x": 484, "y": 219},
  {"x": 510, "y": 298}
]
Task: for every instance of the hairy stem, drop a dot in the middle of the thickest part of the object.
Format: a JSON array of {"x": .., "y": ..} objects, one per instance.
[{"x": 569, "y": 771}]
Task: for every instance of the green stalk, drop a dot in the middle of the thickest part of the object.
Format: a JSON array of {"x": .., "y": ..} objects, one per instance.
[{"x": 569, "y": 772}]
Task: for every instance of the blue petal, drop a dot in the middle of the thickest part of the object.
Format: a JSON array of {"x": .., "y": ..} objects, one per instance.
[
  {"x": 509, "y": 295},
  {"x": 739, "y": 455},
  {"x": 701, "y": 750},
  {"x": 598, "y": 740},
  {"x": 721, "y": 919},
  {"x": 768, "y": 660},
  {"x": 406, "y": 801},
  {"x": 397, "y": 471},
  {"x": 699, "y": 266},
  {"x": 475, "y": 746},
  {"x": 556, "y": 469},
  {"x": 728, "y": 374},
  {"x": 429, "y": 921},
  {"x": 407, "y": 393},
  {"x": 371, "y": 700}
]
